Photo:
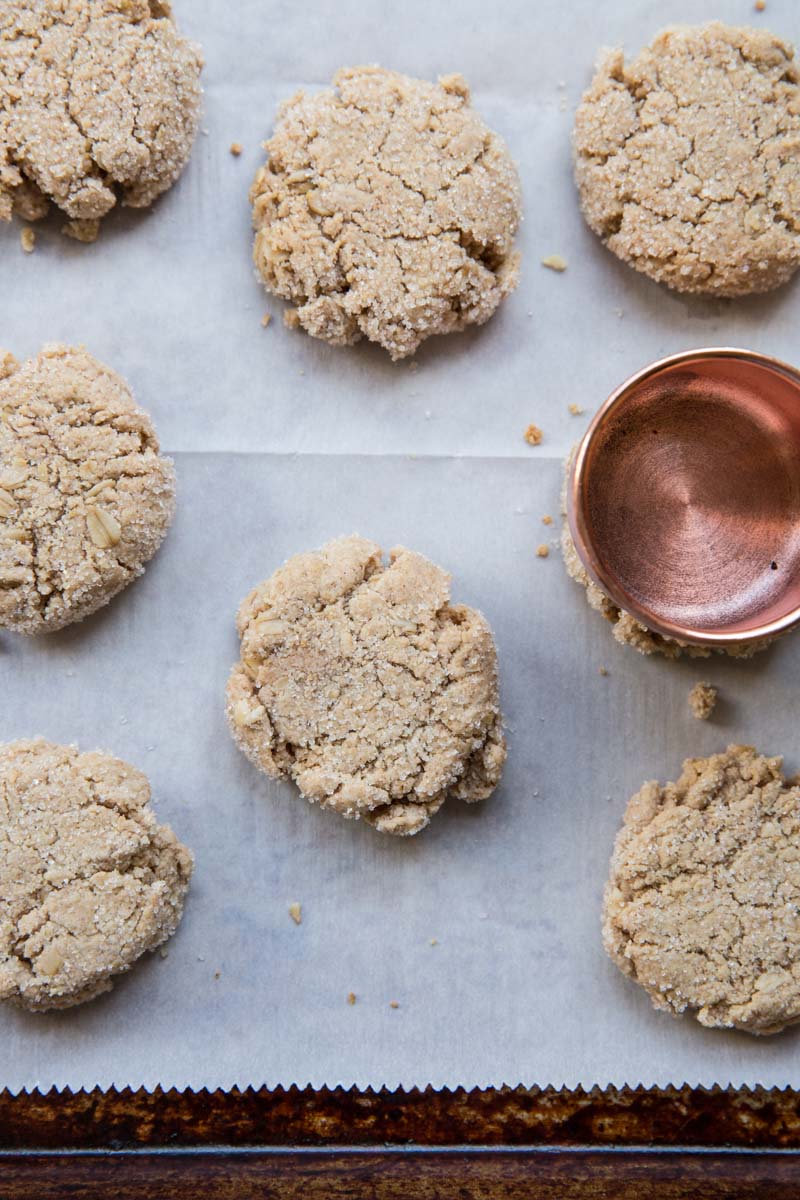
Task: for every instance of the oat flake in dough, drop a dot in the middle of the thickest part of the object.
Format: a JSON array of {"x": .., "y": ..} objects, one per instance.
[
  {"x": 89, "y": 880},
  {"x": 687, "y": 159},
  {"x": 702, "y": 907},
  {"x": 99, "y": 102},
  {"x": 386, "y": 210},
  {"x": 85, "y": 497},
  {"x": 367, "y": 687}
]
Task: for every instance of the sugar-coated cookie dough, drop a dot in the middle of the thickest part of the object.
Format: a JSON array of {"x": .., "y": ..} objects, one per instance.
[
  {"x": 687, "y": 159},
  {"x": 386, "y": 210},
  {"x": 367, "y": 687},
  {"x": 99, "y": 103},
  {"x": 702, "y": 907},
  {"x": 88, "y": 878},
  {"x": 85, "y": 496}
]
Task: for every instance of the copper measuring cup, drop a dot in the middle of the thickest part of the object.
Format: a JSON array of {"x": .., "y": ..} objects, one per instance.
[{"x": 683, "y": 497}]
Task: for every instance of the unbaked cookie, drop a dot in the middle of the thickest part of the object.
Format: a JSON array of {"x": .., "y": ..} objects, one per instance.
[
  {"x": 387, "y": 210},
  {"x": 88, "y": 878},
  {"x": 85, "y": 496},
  {"x": 99, "y": 102},
  {"x": 687, "y": 159},
  {"x": 364, "y": 684},
  {"x": 703, "y": 902}
]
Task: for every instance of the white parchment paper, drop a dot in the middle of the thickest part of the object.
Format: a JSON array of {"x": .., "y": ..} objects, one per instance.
[{"x": 281, "y": 443}]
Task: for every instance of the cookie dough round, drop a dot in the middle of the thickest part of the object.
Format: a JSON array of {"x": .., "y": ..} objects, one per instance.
[
  {"x": 367, "y": 687},
  {"x": 85, "y": 496},
  {"x": 99, "y": 102},
  {"x": 702, "y": 906},
  {"x": 88, "y": 878},
  {"x": 687, "y": 159},
  {"x": 386, "y": 210}
]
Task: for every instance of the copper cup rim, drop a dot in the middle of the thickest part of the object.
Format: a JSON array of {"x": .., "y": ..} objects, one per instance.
[{"x": 577, "y": 520}]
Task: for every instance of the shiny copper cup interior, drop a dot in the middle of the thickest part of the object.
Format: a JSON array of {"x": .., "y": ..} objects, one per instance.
[{"x": 684, "y": 497}]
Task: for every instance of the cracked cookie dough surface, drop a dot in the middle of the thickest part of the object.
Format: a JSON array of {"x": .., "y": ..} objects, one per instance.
[
  {"x": 386, "y": 210},
  {"x": 367, "y": 687},
  {"x": 702, "y": 907},
  {"x": 89, "y": 880},
  {"x": 687, "y": 159},
  {"x": 99, "y": 102},
  {"x": 85, "y": 497}
]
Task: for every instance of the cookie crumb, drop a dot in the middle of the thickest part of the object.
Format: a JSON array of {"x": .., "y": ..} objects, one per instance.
[
  {"x": 296, "y": 913},
  {"x": 291, "y": 318},
  {"x": 164, "y": 952},
  {"x": 82, "y": 231},
  {"x": 434, "y": 941},
  {"x": 543, "y": 551},
  {"x": 217, "y": 974},
  {"x": 533, "y": 435},
  {"x": 702, "y": 700},
  {"x": 393, "y": 1004},
  {"x": 236, "y": 149},
  {"x": 555, "y": 262},
  {"x": 575, "y": 410},
  {"x": 265, "y": 320},
  {"x": 547, "y": 519},
  {"x": 27, "y": 239},
  {"x": 760, "y": 5},
  {"x": 603, "y": 671},
  {"x": 351, "y": 997}
]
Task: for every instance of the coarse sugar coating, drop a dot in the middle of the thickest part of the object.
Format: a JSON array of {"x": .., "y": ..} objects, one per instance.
[
  {"x": 85, "y": 496},
  {"x": 367, "y": 687},
  {"x": 99, "y": 102},
  {"x": 687, "y": 159},
  {"x": 386, "y": 210},
  {"x": 89, "y": 880},
  {"x": 702, "y": 907}
]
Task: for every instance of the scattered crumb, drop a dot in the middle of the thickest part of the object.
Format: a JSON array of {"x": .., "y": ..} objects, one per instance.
[
  {"x": 236, "y": 149},
  {"x": 393, "y": 1004},
  {"x": 554, "y": 262},
  {"x": 702, "y": 700},
  {"x": 296, "y": 913},
  {"x": 164, "y": 952},
  {"x": 217, "y": 974},
  {"x": 434, "y": 941},
  {"x": 27, "y": 239},
  {"x": 604, "y": 671},
  {"x": 620, "y": 312},
  {"x": 291, "y": 319},
  {"x": 576, "y": 410},
  {"x": 351, "y": 997},
  {"x": 760, "y": 5},
  {"x": 542, "y": 551},
  {"x": 547, "y": 519},
  {"x": 265, "y": 320},
  {"x": 533, "y": 435},
  {"x": 86, "y": 231},
  {"x": 301, "y": 372}
]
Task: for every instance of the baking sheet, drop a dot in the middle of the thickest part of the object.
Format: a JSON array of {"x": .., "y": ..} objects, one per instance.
[{"x": 281, "y": 443}]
